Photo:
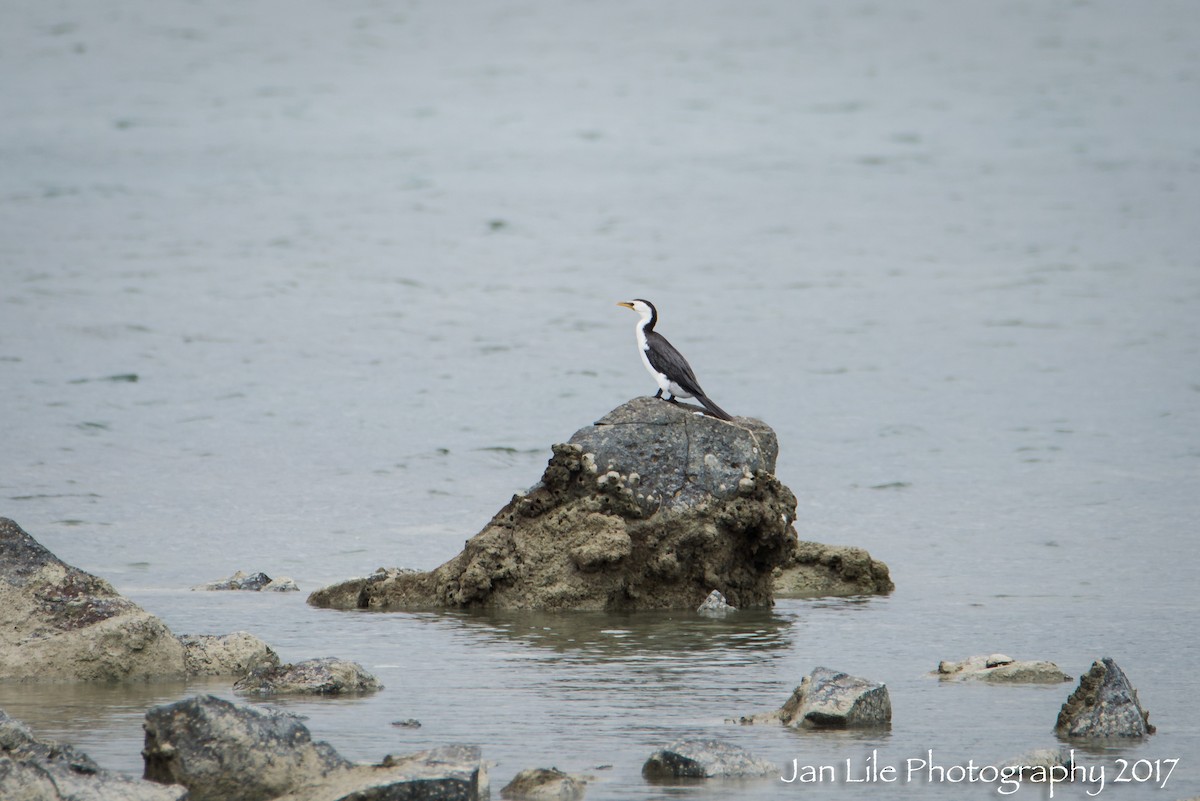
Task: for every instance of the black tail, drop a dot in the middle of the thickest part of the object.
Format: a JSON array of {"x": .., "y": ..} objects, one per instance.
[{"x": 713, "y": 409}]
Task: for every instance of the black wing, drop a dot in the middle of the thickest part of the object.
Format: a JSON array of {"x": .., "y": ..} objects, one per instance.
[{"x": 665, "y": 359}]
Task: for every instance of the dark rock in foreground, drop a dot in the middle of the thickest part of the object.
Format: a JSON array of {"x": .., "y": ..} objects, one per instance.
[
  {"x": 832, "y": 699},
  {"x": 326, "y": 676},
  {"x": 816, "y": 570},
  {"x": 227, "y": 752},
  {"x": 1002, "y": 669},
  {"x": 59, "y": 623},
  {"x": 705, "y": 759},
  {"x": 651, "y": 507},
  {"x": 1104, "y": 705},
  {"x": 36, "y": 770}
]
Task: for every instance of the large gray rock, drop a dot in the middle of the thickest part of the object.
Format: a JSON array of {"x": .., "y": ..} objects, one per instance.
[
  {"x": 58, "y": 622},
  {"x": 816, "y": 570},
  {"x": 325, "y": 676},
  {"x": 1002, "y": 669},
  {"x": 36, "y": 770},
  {"x": 705, "y": 759},
  {"x": 227, "y": 752},
  {"x": 832, "y": 699},
  {"x": 1104, "y": 705},
  {"x": 651, "y": 507}
]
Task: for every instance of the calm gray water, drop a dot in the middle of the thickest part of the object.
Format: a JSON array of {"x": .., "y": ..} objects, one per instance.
[{"x": 362, "y": 259}]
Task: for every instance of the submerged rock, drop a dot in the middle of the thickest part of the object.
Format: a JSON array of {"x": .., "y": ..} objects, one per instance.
[
  {"x": 250, "y": 582},
  {"x": 651, "y": 507},
  {"x": 544, "y": 784},
  {"x": 1002, "y": 670},
  {"x": 233, "y": 654},
  {"x": 1104, "y": 705},
  {"x": 38, "y": 770},
  {"x": 715, "y": 606},
  {"x": 226, "y": 752},
  {"x": 1040, "y": 764},
  {"x": 816, "y": 570},
  {"x": 326, "y": 676},
  {"x": 831, "y": 699},
  {"x": 705, "y": 759},
  {"x": 58, "y": 622}
]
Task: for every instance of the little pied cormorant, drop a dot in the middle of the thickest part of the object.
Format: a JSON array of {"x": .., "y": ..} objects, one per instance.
[{"x": 668, "y": 367}]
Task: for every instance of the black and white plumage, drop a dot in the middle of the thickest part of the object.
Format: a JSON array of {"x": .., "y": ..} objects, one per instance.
[{"x": 670, "y": 370}]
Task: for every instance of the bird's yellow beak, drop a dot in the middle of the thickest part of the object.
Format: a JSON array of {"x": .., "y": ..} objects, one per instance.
[{"x": 626, "y": 304}]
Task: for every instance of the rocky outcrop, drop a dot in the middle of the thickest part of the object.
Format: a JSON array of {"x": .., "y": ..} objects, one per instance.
[
  {"x": 233, "y": 654},
  {"x": 59, "y": 623},
  {"x": 1002, "y": 669},
  {"x": 651, "y": 507},
  {"x": 816, "y": 570},
  {"x": 38, "y": 770},
  {"x": 327, "y": 676},
  {"x": 832, "y": 699},
  {"x": 250, "y": 582},
  {"x": 544, "y": 784},
  {"x": 705, "y": 759},
  {"x": 1104, "y": 705},
  {"x": 227, "y": 752}
]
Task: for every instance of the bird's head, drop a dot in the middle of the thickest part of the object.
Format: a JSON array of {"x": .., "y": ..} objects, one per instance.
[{"x": 643, "y": 307}]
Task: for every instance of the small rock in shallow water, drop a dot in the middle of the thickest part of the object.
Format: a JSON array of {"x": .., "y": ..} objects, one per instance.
[
  {"x": 240, "y": 580},
  {"x": 1104, "y": 705},
  {"x": 1035, "y": 766},
  {"x": 411, "y": 723},
  {"x": 233, "y": 654},
  {"x": 545, "y": 784},
  {"x": 715, "y": 606},
  {"x": 327, "y": 676},
  {"x": 831, "y": 699},
  {"x": 282, "y": 584},
  {"x": 705, "y": 759},
  {"x": 1002, "y": 670}
]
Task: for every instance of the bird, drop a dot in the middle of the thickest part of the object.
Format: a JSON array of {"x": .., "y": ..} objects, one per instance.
[{"x": 670, "y": 370}]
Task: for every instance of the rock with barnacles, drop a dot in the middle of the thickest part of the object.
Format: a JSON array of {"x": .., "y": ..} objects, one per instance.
[
  {"x": 1104, "y": 705},
  {"x": 817, "y": 569},
  {"x": 651, "y": 507}
]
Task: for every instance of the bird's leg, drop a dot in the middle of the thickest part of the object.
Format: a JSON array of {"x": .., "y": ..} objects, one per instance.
[
  {"x": 658, "y": 394},
  {"x": 673, "y": 399}
]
